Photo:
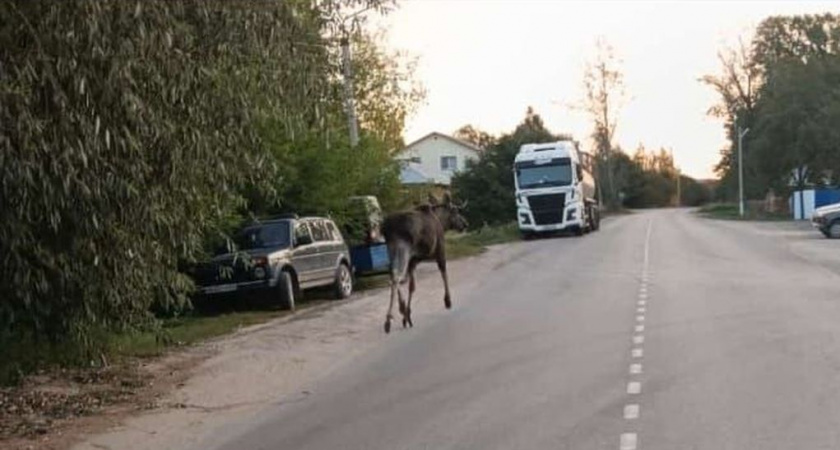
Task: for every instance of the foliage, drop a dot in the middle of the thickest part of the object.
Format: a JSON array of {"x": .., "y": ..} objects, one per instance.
[
  {"x": 386, "y": 91},
  {"x": 796, "y": 123},
  {"x": 476, "y": 242},
  {"x": 604, "y": 85},
  {"x": 133, "y": 132},
  {"x": 780, "y": 86},
  {"x": 480, "y": 139},
  {"x": 488, "y": 183}
]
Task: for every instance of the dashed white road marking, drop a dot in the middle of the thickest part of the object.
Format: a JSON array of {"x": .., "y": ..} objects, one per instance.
[
  {"x": 629, "y": 441},
  {"x": 631, "y": 411}
]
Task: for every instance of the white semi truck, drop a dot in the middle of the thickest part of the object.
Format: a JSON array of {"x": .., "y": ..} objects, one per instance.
[{"x": 555, "y": 189}]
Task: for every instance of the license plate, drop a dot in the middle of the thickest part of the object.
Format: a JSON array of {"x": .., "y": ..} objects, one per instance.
[{"x": 219, "y": 289}]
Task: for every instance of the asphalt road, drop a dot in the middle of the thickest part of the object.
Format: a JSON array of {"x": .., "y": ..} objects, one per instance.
[{"x": 662, "y": 331}]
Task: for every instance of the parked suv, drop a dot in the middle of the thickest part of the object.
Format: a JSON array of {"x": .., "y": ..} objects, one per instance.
[
  {"x": 827, "y": 220},
  {"x": 280, "y": 258}
]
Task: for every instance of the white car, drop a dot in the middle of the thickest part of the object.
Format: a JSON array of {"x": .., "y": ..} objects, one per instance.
[{"x": 827, "y": 220}]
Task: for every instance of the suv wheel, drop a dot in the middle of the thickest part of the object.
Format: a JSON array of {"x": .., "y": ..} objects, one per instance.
[
  {"x": 834, "y": 230},
  {"x": 286, "y": 291},
  {"x": 343, "y": 282}
]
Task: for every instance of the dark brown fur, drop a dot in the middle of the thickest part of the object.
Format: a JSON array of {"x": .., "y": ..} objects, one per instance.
[{"x": 415, "y": 236}]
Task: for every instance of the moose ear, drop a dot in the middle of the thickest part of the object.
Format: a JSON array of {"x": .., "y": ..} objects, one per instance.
[
  {"x": 432, "y": 199},
  {"x": 447, "y": 199}
]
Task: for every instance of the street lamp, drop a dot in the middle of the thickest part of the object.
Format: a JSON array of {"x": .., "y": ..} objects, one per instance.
[{"x": 741, "y": 134}]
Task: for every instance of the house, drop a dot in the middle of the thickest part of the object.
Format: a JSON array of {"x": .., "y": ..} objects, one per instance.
[{"x": 435, "y": 157}]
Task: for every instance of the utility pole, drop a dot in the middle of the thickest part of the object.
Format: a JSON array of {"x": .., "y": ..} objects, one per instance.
[
  {"x": 678, "y": 174},
  {"x": 349, "y": 103},
  {"x": 679, "y": 187},
  {"x": 741, "y": 134}
]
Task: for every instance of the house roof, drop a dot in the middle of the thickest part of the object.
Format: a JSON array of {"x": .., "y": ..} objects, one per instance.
[{"x": 460, "y": 142}]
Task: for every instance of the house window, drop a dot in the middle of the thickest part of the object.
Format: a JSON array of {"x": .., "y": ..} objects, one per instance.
[{"x": 448, "y": 163}]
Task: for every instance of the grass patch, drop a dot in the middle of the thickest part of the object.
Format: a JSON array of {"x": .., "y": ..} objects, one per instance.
[
  {"x": 185, "y": 331},
  {"x": 368, "y": 282},
  {"x": 476, "y": 242},
  {"x": 730, "y": 211}
]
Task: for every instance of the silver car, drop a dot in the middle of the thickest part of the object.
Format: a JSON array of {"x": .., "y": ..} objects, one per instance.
[{"x": 280, "y": 258}]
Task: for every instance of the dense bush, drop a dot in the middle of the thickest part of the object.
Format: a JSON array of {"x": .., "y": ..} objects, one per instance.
[{"x": 130, "y": 132}]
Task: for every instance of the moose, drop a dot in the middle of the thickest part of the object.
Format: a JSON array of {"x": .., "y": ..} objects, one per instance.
[{"x": 415, "y": 236}]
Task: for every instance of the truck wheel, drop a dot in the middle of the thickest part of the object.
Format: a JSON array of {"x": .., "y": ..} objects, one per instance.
[
  {"x": 286, "y": 291},
  {"x": 834, "y": 230},
  {"x": 343, "y": 282},
  {"x": 596, "y": 219}
]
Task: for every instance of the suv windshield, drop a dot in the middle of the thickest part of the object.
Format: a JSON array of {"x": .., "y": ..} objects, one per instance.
[
  {"x": 558, "y": 172},
  {"x": 261, "y": 236}
]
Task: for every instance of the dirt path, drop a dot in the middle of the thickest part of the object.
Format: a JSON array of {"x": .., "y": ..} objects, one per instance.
[{"x": 273, "y": 363}]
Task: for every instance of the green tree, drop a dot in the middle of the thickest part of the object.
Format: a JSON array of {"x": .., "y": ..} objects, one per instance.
[
  {"x": 796, "y": 125},
  {"x": 738, "y": 87},
  {"x": 386, "y": 91},
  {"x": 479, "y": 138},
  {"x": 604, "y": 85},
  {"x": 135, "y": 130},
  {"x": 488, "y": 183},
  {"x": 797, "y": 47}
]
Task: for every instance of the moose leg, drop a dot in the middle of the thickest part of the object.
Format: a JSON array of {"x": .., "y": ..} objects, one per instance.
[
  {"x": 441, "y": 261},
  {"x": 411, "y": 287},
  {"x": 390, "y": 316},
  {"x": 399, "y": 263}
]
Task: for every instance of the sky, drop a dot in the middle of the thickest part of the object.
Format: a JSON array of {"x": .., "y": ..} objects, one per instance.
[{"x": 483, "y": 62}]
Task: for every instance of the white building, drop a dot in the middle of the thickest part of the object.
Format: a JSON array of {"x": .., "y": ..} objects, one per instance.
[{"x": 437, "y": 157}]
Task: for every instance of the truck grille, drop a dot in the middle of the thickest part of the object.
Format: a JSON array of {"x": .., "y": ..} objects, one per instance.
[
  {"x": 547, "y": 208},
  {"x": 209, "y": 274}
]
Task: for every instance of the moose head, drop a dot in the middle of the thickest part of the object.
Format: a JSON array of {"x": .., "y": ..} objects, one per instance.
[{"x": 449, "y": 213}]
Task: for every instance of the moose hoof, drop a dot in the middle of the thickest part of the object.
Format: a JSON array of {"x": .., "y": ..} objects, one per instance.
[
  {"x": 388, "y": 327},
  {"x": 405, "y": 323},
  {"x": 410, "y": 324},
  {"x": 448, "y": 302}
]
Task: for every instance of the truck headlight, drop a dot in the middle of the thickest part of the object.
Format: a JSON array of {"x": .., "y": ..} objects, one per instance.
[
  {"x": 259, "y": 272},
  {"x": 571, "y": 214}
]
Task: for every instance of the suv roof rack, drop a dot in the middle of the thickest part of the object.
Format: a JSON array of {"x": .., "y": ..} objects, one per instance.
[{"x": 284, "y": 216}]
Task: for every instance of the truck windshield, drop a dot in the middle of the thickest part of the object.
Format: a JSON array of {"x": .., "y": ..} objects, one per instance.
[
  {"x": 262, "y": 236},
  {"x": 555, "y": 173}
]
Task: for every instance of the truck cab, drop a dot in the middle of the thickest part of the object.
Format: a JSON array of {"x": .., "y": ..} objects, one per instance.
[{"x": 555, "y": 189}]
